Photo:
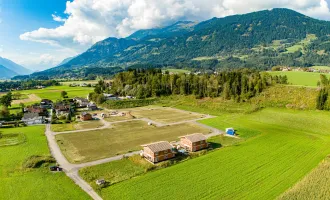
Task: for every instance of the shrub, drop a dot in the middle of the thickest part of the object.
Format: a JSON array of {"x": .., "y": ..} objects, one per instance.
[{"x": 37, "y": 161}]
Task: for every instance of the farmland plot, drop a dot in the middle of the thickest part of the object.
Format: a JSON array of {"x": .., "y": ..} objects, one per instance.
[
  {"x": 17, "y": 182},
  {"x": 123, "y": 137}
]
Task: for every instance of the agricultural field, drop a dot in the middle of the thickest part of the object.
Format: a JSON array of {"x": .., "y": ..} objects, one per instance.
[
  {"x": 176, "y": 71},
  {"x": 19, "y": 182},
  {"x": 123, "y": 137},
  {"x": 124, "y": 169},
  {"x": 321, "y": 67},
  {"x": 76, "y": 126},
  {"x": 309, "y": 79},
  {"x": 79, "y": 82},
  {"x": 54, "y": 92},
  {"x": 314, "y": 186},
  {"x": 164, "y": 114},
  {"x": 259, "y": 167}
]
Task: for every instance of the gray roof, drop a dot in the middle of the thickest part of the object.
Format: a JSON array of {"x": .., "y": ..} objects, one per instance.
[
  {"x": 196, "y": 137},
  {"x": 158, "y": 146},
  {"x": 29, "y": 116}
]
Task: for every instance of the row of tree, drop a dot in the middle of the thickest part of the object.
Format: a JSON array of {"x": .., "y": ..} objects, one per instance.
[
  {"x": 239, "y": 85},
  {"x": 25, "y": 85}
]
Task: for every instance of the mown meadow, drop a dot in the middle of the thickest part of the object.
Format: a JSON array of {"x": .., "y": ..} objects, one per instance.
[
  {"x": 19, "y": 182},
  {"x": 308, "y": 79},
  {"x": 54, "y": 92},
  {"x": 280, "y": 147}
]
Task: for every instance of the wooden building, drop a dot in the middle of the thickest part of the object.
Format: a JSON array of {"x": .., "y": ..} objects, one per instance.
[
  {"x": 194, "y": 142},
  {"x": 86, "y": 116},
  {"x": 158, "y": 151}
]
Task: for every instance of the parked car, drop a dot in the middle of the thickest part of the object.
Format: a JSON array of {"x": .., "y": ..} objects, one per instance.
[{"x": 55, "y": 168}]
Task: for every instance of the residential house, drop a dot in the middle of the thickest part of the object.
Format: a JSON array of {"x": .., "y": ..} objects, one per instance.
[
  {"x": 92, "y": 106},
  {"x": 110, "y": 97},
  {"x": 33, "y": 118},
  {"x": 194, "y": 142},
  {"x": 62, "y": 109},
  {"x": 81, "y": 102},
  {"x": 46, "y": 103},
  {"x": 36, "y": 109},
  {"x": 157, "y": 152},
  {"x": 86, "y": 116}
]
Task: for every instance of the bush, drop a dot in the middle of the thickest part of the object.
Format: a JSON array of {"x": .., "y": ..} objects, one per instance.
[
  {"x": 63, "y": 117},
  {"x": 128, "y": 103},
  {"x": 37, "y": 161}
]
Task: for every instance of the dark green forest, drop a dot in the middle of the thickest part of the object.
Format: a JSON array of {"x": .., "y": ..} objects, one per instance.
[{"x": 239, "y": 85}]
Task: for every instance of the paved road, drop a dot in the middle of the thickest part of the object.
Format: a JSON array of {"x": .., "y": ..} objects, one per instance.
[{"x": 72, "y": 170}]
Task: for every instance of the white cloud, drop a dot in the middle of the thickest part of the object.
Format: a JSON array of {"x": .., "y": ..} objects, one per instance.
[
  {"x": 90, "y": 21},
  {"x": 58, "y": 18}
]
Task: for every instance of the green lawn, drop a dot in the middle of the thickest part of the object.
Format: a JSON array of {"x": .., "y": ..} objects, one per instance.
[
  {"x": 54, "y": 92},
  {"x": 122, "y": 138},
  {"x": 301, "y": 78},
  {"x": 18, "y": 183},
  {"x": 281, "y": 147}
]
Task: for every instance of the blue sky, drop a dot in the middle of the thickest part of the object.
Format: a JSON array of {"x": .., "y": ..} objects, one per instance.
[
  {"x": 19, "y": 16},
  {"x": 41, "y": 33}
]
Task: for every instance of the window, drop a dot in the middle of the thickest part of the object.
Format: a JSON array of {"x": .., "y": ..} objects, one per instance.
[{"x": 156, "y": 153}]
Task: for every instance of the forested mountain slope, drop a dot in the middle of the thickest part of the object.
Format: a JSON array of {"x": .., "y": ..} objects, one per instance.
[{"x": 256, "y": 40}]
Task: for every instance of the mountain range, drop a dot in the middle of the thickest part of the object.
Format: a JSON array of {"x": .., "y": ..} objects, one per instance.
[
  {"x": 9, "y": 69},
  {"x": 259, "y": 40}
]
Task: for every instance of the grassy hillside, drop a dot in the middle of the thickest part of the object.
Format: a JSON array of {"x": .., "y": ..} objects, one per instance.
[
  {"x": 301, "y": 78},
  {"x": 260, "y": 168},
  {"x": 21, "y": 183}
]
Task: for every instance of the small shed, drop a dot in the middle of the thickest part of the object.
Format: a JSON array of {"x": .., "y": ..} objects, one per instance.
[{"x": 230, "y": 131}]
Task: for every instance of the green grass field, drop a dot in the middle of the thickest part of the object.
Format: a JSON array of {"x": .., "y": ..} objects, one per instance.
[
  {"x": 54, "y": 92},
  {"x": 301, "y": 78},
  {"x": 79, "y": 82},
  {"x": 122, "y": 138},
  {"x": 19, "y": 183},
  {"x": 176, "y": 71},
  {"x": 281, "y": 147},
  {"x": 321, "y": 67}
]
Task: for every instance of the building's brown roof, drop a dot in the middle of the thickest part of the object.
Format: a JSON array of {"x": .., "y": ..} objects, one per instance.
[
  {"x": 195, "y": 137},
  {"x": 158, "y": 146}
]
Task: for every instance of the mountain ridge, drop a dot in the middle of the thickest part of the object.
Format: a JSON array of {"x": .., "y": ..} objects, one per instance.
[
  {"x": 211, "y": 44},
  {"x": 13, "y": 67}
]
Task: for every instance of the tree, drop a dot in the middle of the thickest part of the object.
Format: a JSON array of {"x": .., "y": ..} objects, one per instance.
[
  {"x": 22, "y": 106},
  {"x": 321, "y": 99},
  {"x": 6, "y": 100},
  {"x": 64, "y": 94}
]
